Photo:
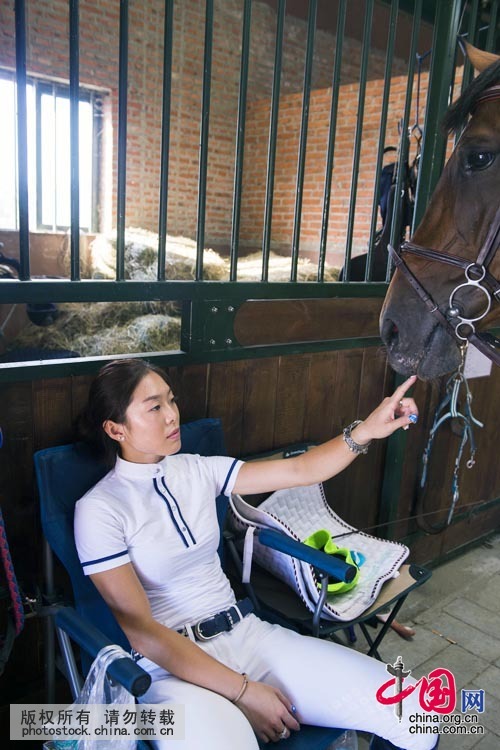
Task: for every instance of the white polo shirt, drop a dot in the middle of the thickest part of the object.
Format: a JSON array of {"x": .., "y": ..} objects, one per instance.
[{"x": 161, "y": 518}]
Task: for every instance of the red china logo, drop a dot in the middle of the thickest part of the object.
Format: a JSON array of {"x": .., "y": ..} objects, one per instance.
[{"x": 436, "y": 692}]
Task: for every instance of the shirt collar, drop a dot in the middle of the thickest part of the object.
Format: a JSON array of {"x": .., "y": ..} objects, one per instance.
[{"x": 129, "y": 470}]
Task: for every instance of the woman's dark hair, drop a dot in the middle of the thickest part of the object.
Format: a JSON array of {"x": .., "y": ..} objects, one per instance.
[{"x": 109, "y": 397}]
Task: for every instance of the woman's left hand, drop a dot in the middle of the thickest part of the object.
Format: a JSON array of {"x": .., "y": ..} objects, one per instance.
[{"x": 394, "y": 412}]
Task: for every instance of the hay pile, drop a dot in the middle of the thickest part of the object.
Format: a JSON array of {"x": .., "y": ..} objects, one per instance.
[
  {"x": 141, "y": 258},
  {"x": 104, "y": 328}
]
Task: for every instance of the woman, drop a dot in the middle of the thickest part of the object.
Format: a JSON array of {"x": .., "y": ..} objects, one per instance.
[{"x": 147, "y": 534}]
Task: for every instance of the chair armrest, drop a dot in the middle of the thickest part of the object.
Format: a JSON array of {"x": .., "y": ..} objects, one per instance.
[
  {"x": 328, "y": 564},
  {"x": 124, "y": 671}
]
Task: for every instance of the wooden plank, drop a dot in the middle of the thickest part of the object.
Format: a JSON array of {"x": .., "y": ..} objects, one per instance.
[
  {"x": 259, "y": 405},
  {"x": 366, "y": 473},
  {"x": 17, "y": 498},
  {"x": 225, "y": 400},
  {"x": 291, "y": 397},
  {"x": 191, "y": 388},
  {"x": 79, "y": 395},
  {"x": 259, "y": 322},
  {"x": 52, "y": 412},
  {"x": 471, "y": 528},
  {"x": 320, "y": 403}
]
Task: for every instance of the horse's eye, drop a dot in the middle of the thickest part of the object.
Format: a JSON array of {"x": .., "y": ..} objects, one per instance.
[{"x": 479, "y": 160}]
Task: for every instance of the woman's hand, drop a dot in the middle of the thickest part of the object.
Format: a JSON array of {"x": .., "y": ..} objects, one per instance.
[
  {"x": 268, "y": 711},
  {"x": 394, "y": 412}
]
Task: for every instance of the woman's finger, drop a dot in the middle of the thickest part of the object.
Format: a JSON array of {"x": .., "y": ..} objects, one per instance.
[{"x": 401, "y": 389}]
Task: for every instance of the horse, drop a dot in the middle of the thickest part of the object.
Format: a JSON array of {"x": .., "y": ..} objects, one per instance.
[{"x": 446, "y": 278}]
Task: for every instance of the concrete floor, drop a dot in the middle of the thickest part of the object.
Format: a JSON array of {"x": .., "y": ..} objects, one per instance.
[{"x": 456, "y": 616}]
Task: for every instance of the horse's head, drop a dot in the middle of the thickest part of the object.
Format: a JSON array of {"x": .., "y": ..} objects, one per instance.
[{"x": 457, "y": 223}]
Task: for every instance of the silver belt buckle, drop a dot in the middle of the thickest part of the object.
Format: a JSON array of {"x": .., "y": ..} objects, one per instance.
[{"x": 199, "y": 635}]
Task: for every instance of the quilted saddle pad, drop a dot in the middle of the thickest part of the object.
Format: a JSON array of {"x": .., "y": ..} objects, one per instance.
[{"x": 299, "y": 512}]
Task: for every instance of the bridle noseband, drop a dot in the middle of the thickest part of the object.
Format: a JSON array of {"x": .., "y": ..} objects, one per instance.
[{"x": 477, "y": 278}]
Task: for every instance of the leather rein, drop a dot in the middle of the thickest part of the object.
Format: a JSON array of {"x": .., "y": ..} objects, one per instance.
[{"x": 477, "y": 279}]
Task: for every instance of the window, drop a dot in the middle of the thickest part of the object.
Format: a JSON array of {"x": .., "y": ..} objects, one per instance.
[{"x": 48, "y": 114}]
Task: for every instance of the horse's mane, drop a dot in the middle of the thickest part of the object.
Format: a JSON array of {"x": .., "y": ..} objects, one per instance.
[{"x": 458, "y": 113}]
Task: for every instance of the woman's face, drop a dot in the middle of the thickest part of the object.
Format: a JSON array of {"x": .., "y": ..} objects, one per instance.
[{"x": 151, "y": 428}]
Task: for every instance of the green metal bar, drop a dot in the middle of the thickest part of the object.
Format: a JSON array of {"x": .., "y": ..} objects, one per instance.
[
  {"x": 306, "y": 97},
  {"x": 359, "y": 132},
  {"x": 471, "y": 37},
  {"x": 404, "y": 139},
  {"x": 383, "y": 127},
  {"x": 74, "y": 101},
  {"x": 204, "y": 132},
  {"x": 165, "y": 136},
  {"x": 240, "y": 140},
  {"x": 339, "y": 39},
  {"x": 122, "y": 142},
  {"x": 12, "y": 291},
  {"x": 493, "y": 27},
  {"x": 441, "y": 75},
  {"x": 27, "y": 371},
  {"x": 22, "y": 140},
  {"x": 273, "y": 131}
]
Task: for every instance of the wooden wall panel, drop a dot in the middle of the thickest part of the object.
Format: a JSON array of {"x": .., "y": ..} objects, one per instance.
[
  {"x": 259, "y": 406},
  {"x": 288, "y": 321},
  {"x": 320, "y": 405},
  {"x": 361, "y": 385},
  {"x": 225, "y": 400},
  {"x": 190, "y": 386},
  {"x": 52, "y": 412},
  {"x": 291, "y": 397}
]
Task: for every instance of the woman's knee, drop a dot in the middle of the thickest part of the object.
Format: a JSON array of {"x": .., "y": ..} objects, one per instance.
[{"x": 210, "y": 721}]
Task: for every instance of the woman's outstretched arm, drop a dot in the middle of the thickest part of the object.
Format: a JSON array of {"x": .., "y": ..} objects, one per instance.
[{"x": 327, "y": 460}]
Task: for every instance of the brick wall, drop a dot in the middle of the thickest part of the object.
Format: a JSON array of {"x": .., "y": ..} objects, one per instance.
[
  {"x": 286, "y": 166},
  {"x": 47, "y": 55}
]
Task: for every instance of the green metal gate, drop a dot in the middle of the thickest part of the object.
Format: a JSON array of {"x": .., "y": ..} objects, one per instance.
[{"x": 211, "y": 307}]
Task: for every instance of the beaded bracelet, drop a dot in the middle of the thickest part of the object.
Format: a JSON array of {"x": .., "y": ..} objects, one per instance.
[
  {"x": 243, "y": 688},
  {"x": 351, "y": 444}
]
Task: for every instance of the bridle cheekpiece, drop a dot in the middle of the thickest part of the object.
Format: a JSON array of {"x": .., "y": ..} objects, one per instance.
[{"x": 477, "y": 279}]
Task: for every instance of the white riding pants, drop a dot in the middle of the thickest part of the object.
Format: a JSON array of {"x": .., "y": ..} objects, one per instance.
[{"x": 330, "y": 684}]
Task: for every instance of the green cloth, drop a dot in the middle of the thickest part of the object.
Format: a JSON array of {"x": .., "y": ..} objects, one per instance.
[{"x": 322, "y": 540}]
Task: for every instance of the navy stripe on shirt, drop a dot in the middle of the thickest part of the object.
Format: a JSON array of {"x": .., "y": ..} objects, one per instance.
[
  {"x": 174, "y": 521},
  {"x": 223, "y": 490},
  {"x": 179, "y": 511},
  {"x": 104, "y": 559}
]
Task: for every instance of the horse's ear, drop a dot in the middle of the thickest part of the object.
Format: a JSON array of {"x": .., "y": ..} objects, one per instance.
[{"x": 480, "y": 60}]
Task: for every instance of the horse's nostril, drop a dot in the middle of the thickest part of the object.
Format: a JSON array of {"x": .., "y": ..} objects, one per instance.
[{"x": 389, "y": 332}]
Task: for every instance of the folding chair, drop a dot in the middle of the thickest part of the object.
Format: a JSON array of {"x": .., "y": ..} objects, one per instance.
[
  {"x": 64, "y": 474},
  {"x": 275, "y": 601}
]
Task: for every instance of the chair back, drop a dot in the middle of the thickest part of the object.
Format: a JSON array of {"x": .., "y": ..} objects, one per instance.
[{"x": 64, "y": 474}]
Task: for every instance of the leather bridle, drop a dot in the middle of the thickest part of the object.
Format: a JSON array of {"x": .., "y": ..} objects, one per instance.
[{"x": 477, "y": 279}]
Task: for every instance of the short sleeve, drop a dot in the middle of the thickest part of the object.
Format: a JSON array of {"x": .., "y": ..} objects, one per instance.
[
  {"x": 224, "y": 472},
  {"x": 99, "y": 536}
]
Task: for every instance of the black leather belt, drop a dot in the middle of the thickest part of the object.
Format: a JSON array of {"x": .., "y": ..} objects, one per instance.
[{"x": 219, "y": 623}]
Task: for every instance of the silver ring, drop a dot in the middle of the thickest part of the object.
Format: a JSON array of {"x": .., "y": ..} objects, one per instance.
[
  {"x": 284, "y": 734},
  {"x": 400, "y": 403}
]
